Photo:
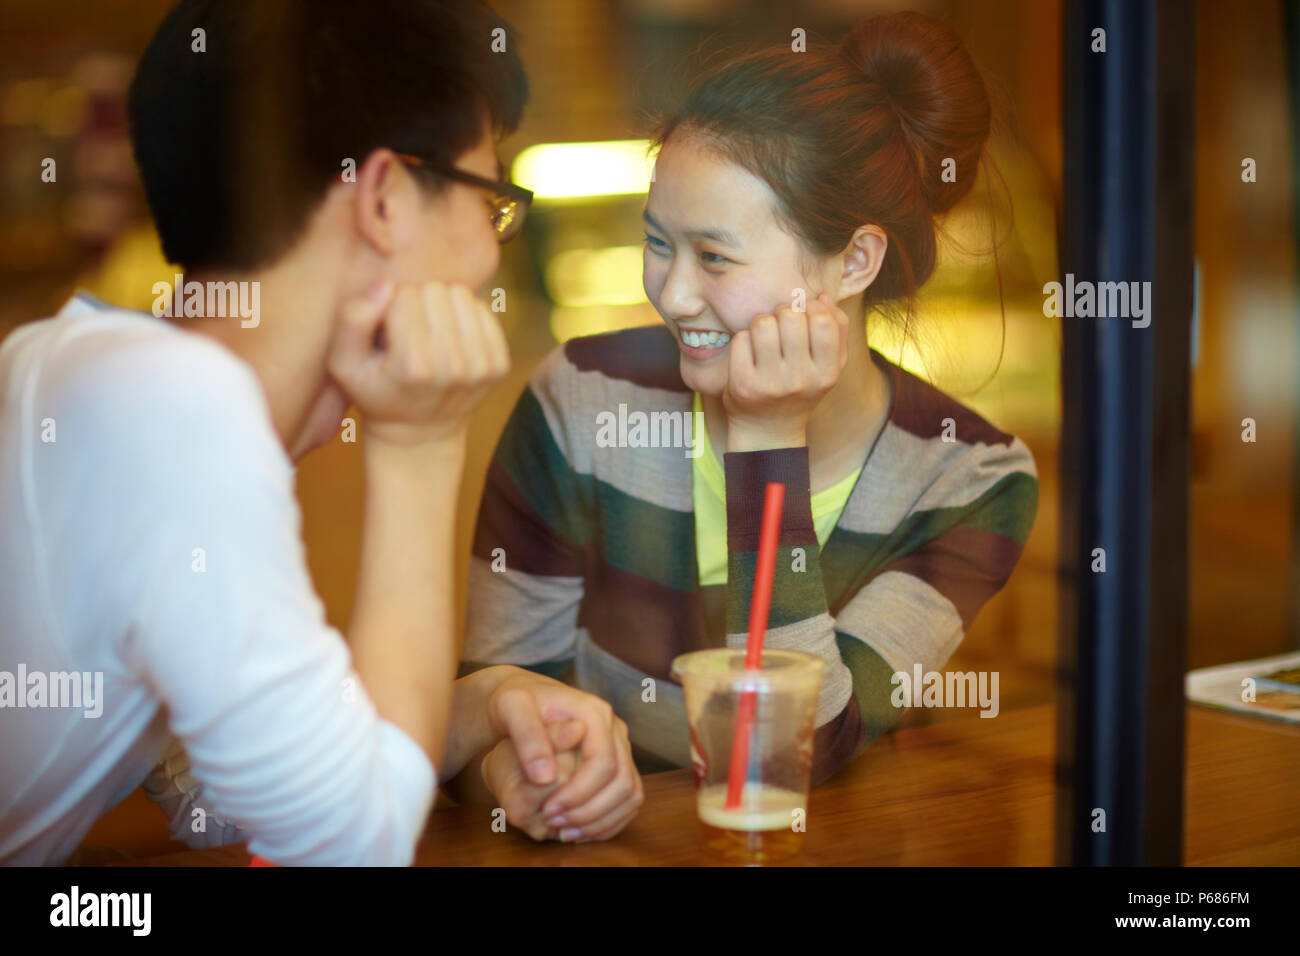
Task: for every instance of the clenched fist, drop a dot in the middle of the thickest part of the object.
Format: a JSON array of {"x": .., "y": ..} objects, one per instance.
[
  {"x": 417, "y": 359},
  {"x": 779, "y": 369},
  {"x": 594, "y": 792},
  {"x": 522, "y": 799}
]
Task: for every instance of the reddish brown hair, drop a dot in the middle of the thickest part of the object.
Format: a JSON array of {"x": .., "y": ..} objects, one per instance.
[{"x": 853, "y": 135}]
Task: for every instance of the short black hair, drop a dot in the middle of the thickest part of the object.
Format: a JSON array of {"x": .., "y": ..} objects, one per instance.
[{"x": 237, "y": 144}]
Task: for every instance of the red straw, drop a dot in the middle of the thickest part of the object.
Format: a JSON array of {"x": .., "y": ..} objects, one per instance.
[{"x": 773, "y": 502}]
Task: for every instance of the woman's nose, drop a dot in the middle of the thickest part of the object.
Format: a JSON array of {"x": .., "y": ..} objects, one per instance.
[{"x": 680, "y": 295}]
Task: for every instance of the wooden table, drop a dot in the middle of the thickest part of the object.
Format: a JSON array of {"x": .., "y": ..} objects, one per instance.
[{"x": 963, "y": 792}]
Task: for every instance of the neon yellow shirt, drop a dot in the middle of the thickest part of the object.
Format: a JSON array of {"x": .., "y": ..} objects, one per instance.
[{"x": 709, "y": 495}]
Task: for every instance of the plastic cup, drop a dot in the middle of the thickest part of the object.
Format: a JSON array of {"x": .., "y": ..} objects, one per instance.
[{"x": 771, "y": 820}]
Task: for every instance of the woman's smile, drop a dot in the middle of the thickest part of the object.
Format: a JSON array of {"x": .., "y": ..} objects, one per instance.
[{"x": 702, "y": 343}]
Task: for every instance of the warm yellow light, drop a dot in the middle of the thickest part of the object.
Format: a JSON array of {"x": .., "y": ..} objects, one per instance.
[
  {"x": 566, "y": 171},
  {"x": 596, "y": 276},
  {"x": 569, "y": 322}
]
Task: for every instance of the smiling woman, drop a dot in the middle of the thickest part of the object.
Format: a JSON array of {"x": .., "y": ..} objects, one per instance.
[{"x": 905, "y": 511}]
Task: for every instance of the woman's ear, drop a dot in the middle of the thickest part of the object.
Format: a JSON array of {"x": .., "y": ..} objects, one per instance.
[{"x": 863, "y": 257}]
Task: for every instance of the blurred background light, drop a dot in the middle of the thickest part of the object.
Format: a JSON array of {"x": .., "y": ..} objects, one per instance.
[
  {"x": 596, "y": 276},
  {"x": 576, "y": 171},
  {"x": 571, "y": 322}
]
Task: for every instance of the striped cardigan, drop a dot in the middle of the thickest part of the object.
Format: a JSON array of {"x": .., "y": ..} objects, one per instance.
[{"x": 584, "y": 556}]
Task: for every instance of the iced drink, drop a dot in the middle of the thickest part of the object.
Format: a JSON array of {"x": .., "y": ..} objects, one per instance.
[
  {"x": 771, "y": 816},
  {"x": 766, "y": 827}
]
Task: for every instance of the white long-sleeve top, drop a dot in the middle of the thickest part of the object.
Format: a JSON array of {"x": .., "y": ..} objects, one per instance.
[{"x": 150, "y": 539}]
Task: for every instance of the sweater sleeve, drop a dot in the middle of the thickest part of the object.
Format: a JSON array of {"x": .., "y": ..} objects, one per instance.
[
  {"x": 526, "y": 568},
  {"x": 943, "y": 565}
]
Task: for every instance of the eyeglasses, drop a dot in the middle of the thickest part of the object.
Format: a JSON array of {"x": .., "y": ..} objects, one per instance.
[{"x": 509, "y": 202}]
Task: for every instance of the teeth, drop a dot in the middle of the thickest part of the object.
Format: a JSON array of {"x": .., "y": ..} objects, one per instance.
[{"x": 706, "y": 340}]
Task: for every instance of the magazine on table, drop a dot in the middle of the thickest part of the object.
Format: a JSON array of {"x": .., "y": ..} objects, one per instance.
[{"x": 1269, "y": 687}]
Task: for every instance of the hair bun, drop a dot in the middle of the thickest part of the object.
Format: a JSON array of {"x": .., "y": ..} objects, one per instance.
[{"x": 923, "y": 71}]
